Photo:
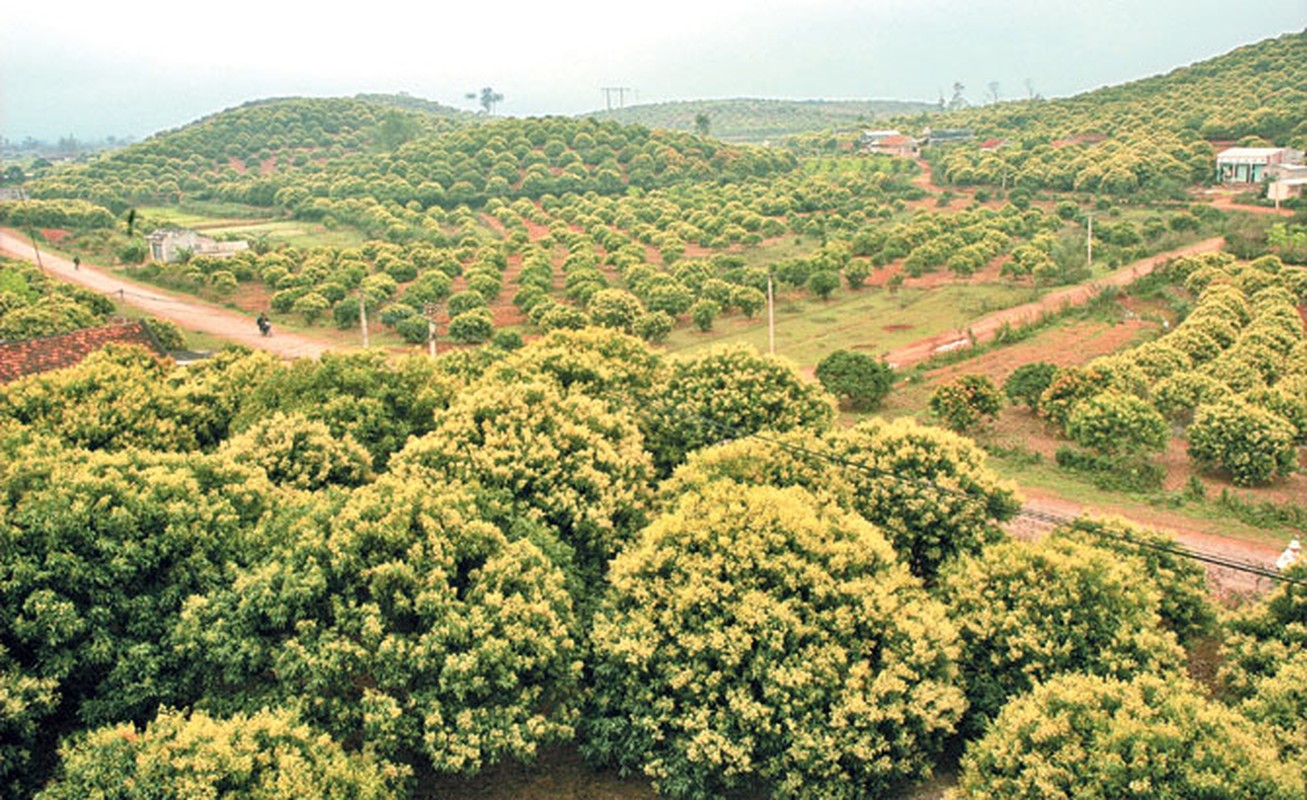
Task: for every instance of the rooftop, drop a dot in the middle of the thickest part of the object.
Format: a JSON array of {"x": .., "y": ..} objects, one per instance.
[{"x": 18, "y": 359}]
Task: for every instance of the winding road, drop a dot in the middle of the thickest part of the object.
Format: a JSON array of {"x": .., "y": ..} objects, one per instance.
[{"x": 188, "y": 312}]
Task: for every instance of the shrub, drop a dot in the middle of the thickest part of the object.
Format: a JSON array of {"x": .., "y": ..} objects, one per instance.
[
  {"x": 755, "y": 638},
  {"x": 1087, "y": 736},
  {"x": 963, "y": 402},
  {"x": 857, "y": 378},
  {"x": 1027, "y": 382},
  {"x": 1252, "y": 445},
  {"x": 269, "y": 755}
]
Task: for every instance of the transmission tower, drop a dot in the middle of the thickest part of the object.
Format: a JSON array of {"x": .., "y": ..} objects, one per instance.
[{"x": 620, "y": 91}]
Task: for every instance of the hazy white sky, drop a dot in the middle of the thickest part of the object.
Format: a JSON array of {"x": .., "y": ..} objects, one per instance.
[{"x": 132, "y": 68}]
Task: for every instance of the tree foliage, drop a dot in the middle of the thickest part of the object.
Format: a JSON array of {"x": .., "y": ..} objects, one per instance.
[
  {"x": 857, "y": 378},
  {"x": 1027, "y": 612},
  {"x": 400, "y": 619},
  {"x": 268, "y": 754},
  {"x": 754, "y": 638},
  {"x": 1252, "y": 445},
  {"x": 965, "y": 401},
  {"x": 1087, "y": 736}
]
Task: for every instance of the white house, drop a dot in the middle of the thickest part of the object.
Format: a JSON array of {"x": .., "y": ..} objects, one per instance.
[
  {"x": 1249, "y": 164},
  {"x": 171, "y": 244}
]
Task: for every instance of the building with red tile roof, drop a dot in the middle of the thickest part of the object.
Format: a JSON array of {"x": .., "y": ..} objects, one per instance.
[{"x": 25, "y": 357}]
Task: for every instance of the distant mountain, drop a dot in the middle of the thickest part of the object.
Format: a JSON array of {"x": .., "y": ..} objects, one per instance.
[{"x": 758, "y": 120}]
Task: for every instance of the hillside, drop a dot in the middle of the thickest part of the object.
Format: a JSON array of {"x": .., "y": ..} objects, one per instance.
[
  {"x": 1156, "y": 133},
  {"x": 758, "y": 119}
]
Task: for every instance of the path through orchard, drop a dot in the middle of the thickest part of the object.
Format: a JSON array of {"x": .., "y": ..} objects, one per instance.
[
  {"x": 193, "y": 314},
  {"x": 986, "y": 328},
  {"x": 188, "y": 312}
]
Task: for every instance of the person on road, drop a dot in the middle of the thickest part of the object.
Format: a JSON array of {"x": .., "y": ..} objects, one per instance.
[
  {"x": 265, "y": 326},
  {"x": 77, "y": 263},
  {"x": 1289, "y": 557}
]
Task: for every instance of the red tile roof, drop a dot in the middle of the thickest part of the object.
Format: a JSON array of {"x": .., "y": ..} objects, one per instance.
[{"x": 30, "y": 356}]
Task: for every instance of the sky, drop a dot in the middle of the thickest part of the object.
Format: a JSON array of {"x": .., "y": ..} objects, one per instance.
[{"x": 91, "y": 69}]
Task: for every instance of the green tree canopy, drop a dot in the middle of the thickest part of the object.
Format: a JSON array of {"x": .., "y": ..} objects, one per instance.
[
  {"x": 756, "y": 639},
  {"x": 1027, "y": 612},
  {"x": 398, "y": 618},
  {"x": 1086, "y": 736}
]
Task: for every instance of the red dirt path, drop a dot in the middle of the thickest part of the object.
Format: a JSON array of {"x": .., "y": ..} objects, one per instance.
[{"x": 986, "y": 328}]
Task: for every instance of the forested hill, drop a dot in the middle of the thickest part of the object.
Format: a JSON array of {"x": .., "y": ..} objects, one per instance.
[
  {"x": 1257, "y": 90},
  {"x": 1158, "y": 133},
  {"x": 288, "y": 153},
  {"x": 758, "y": 120}
]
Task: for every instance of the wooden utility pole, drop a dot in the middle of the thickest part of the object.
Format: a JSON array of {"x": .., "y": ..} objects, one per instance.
[
  {"x": 1089, "y": 243},
  {"x": 430, "y": 310},
  {"x": 363, "y": 319}
]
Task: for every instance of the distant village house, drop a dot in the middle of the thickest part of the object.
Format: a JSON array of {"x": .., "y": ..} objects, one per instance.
[
  {"x": 891, "y": 143},
  {"x": 173, "y": 245},
  {"x": 1250, "y": 164}
]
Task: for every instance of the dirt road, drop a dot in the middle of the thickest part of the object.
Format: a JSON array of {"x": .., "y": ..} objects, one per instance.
[
  {"x": 986, "y": 328},
  {"x": 187, "y": 312}
]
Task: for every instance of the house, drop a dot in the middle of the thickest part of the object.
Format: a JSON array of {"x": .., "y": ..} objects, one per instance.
[
  {"x": 1286, "y": 181},
  {"x": 18, "y": 359},
  {"x": 1249, "y": 164},
  {"x": 945, "y": 136},
  {"x": 993, "y": 144},
  {"x": 900, "y": 146},
  {"x": 173, "y": 244}
]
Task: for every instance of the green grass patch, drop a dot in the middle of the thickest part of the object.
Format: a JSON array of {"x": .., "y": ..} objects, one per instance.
[
  {"x": 1207, "y": 515},
  {"x": 869, "y": 320}
]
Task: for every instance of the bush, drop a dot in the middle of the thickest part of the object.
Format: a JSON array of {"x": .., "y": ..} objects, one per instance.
[
  {"x": 269, "y": 755},
  {"x": 1028, "y": 382},
  {"x": 472, "y": 327},
  {"x": 1252, "y": 445},
  {"x": 755, "y": 638},
  {"x": 963, "y": 402},
  {"x": 1086, "y": 736},
  {"x": 1112, "y": 423},
  {"x": 1028, "y": 612},
  {"x": 857, "y": 378}
]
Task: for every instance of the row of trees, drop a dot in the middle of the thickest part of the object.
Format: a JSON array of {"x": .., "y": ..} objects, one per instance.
[
  {"x": 1233, "y": 373},
  {"x": 317, "y": 578}
]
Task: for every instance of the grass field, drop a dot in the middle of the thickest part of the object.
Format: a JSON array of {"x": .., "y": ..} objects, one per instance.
[
  {"x": 869, "y": 320},
  {"x": 250, "y": 223}
]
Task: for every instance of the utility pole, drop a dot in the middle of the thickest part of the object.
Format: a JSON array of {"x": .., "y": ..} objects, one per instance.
[
  {"x": 620, "y": 91},
  {"x": 1089, "y": 242},
  {"x": 771, "y": 316},
  {"x": 430, "y": 310},
  {"x": 363, "y": 319}
]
